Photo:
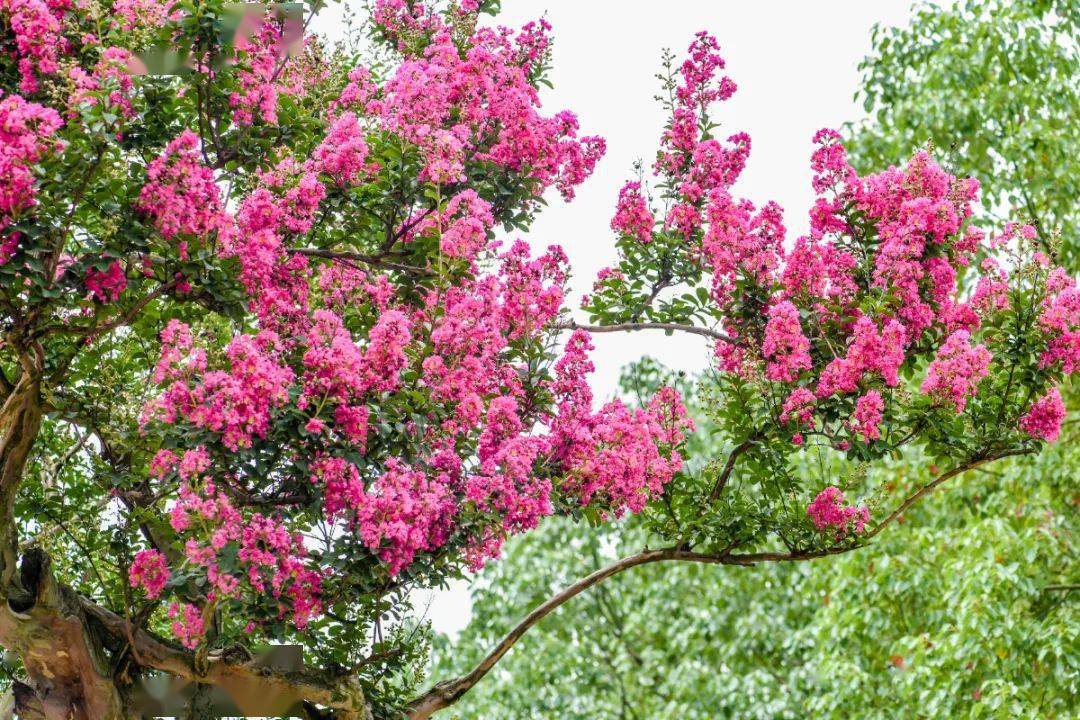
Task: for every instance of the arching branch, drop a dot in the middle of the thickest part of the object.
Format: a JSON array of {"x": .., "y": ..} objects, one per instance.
[{"x": 446, "y": 693}]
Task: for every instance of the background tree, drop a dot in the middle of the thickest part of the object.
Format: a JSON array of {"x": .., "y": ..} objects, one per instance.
[
  {"x": 267, "y": 366},
  {"x": 994, "y": 86}
]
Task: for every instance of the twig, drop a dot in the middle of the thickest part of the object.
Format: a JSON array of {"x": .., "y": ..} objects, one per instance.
[{"x": 636, "y": 326}]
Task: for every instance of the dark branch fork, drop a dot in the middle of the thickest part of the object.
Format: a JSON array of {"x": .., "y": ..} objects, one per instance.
[
  {"x": 638, "y": 326},
  {"x": 445, "y": 694}
]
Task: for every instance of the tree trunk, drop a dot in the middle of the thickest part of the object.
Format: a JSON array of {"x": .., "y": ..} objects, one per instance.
[
  {"x": 41, "y": 621},
  {"x": 20, "y": 421}
]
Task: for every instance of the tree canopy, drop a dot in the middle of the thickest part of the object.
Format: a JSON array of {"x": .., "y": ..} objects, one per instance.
[
  {"x": 270, "y": 361},
  {"x": 993, "y": 85}
]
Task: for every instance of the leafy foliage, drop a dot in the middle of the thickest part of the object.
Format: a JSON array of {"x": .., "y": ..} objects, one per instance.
[{"x": 993, "y": 85}]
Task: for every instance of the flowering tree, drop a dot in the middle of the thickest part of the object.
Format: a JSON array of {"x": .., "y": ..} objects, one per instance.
[{"x": 267, "y": 368}]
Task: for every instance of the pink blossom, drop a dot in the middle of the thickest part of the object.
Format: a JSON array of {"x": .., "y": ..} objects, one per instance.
[
  {"x": 632, "y": 215},
  {"x": 106, "y": 285},
  {"x": 1060, "y": 321},
  {"x": 189, "y": 629},
  {"x": 343, "y": 152},
  {"x": 954, "y": 374},
  {"x": 1043, "y": 419},
  {"x": 785, "y": 347},
  {"x": 149, "y": 571},
  {"x": 145, "y": 13},
  {"x": 26, "y": 137},
  {"x": 867, "y": 415},
  {"x": 180, "y": 193},
  {"x": 405, "y": 512},
  {"x": 829, "y": 511},
  {"x": 798, "y": 406}
]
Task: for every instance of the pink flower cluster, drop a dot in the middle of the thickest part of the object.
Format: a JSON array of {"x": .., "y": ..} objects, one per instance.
[
  {"x": 180, "y": 193},
  {"x": 36, "y": 26},
  {"x": 829, "y": 511},
  {"x": 867, "y": 415},
  {"x": 236, "y": 403},
  {"x": 870, "y": 351},
  {"x": 614, "y": 457},
  {"x": 632, "y": 215},
  {"x": 270, "y": 67},
  {"x": 342, "y": 154},
  {"x": 109, "y": 82},
  {"x": 149, "y": 571},
  {"x": 954, "y": 374},
  {"x": 106, "y": 285},
  {"x": 462, "y": 226},
  {"x": 26, "y": 131},
  {"x": 476, "y": 103},
  {"x": 1044, "y": 418},
  {"x": 272, "y": 561},
  {"x": 145, "y": 13},
  {"x": 1060, "y": 321},
  {"x": 785, "y": 346},
  {"x": 188, "y": 627},
  {"x": 278, "y": 282},
  {"x": 403, "y": 513}
]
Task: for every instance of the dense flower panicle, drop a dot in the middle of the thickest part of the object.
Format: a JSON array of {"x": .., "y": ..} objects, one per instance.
[
  {"x": 405, "y": 512},
  {"x": 342, "y": 154},
  {"x": 36, "y": 26},
  {"x": 265, "y": 76},
  {"x": 180, "y": 193},
  {"x": 614, "y": 458},
  {"x": 798, "y": 406},
  {"x": 188, "y": 627},
  {"x": 462, "y": 227},
  {"x": 830, "y": 512},
  {"x": 450, "y": 100},
  {"x": 870, "y": 350},
  {"x": 277, "y": 281},
  {"x": 632, "y": 215},
  {"x": 145, "y": 13},
  {"x": 741, "y": 242},
  {"x": 106, "y": 285},
  {"x": 1060, "y": 320},
  {"x": 1044, "y": 418},
  {"x": 109, "y": 83},
  {"x": 954, "y": 374},
  {"x": 867, "y": 417},
  {"x": 26, "y": 137},
  {"x": 698, "y": 73},
  {"x": 817, "y": 272},
  {"x": 179, "y": 356},
  {"x": 149, "y": 571},
  {"x": 235, "y": 403},
  {"x": 785, "y": 347},
  {"x": 618, "y": 458},
  {"x": 271, "y": 560}
]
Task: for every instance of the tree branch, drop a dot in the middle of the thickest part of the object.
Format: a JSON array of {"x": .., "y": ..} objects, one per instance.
[
  {"x": 636, "y": 326},
  {"x": 247, "y": 678},
  {"x": 354, "y": 257},
  {"x": 728, "y": 467},
  {"x": 914, "y": 497},
  {"x": 445, "y": 694}
]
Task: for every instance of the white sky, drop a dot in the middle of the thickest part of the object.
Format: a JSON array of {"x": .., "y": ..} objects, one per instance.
[{"x": 795, "y": 64}]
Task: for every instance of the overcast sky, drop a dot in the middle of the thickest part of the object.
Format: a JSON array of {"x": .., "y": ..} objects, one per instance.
[{"x": 795, "y": 63}]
